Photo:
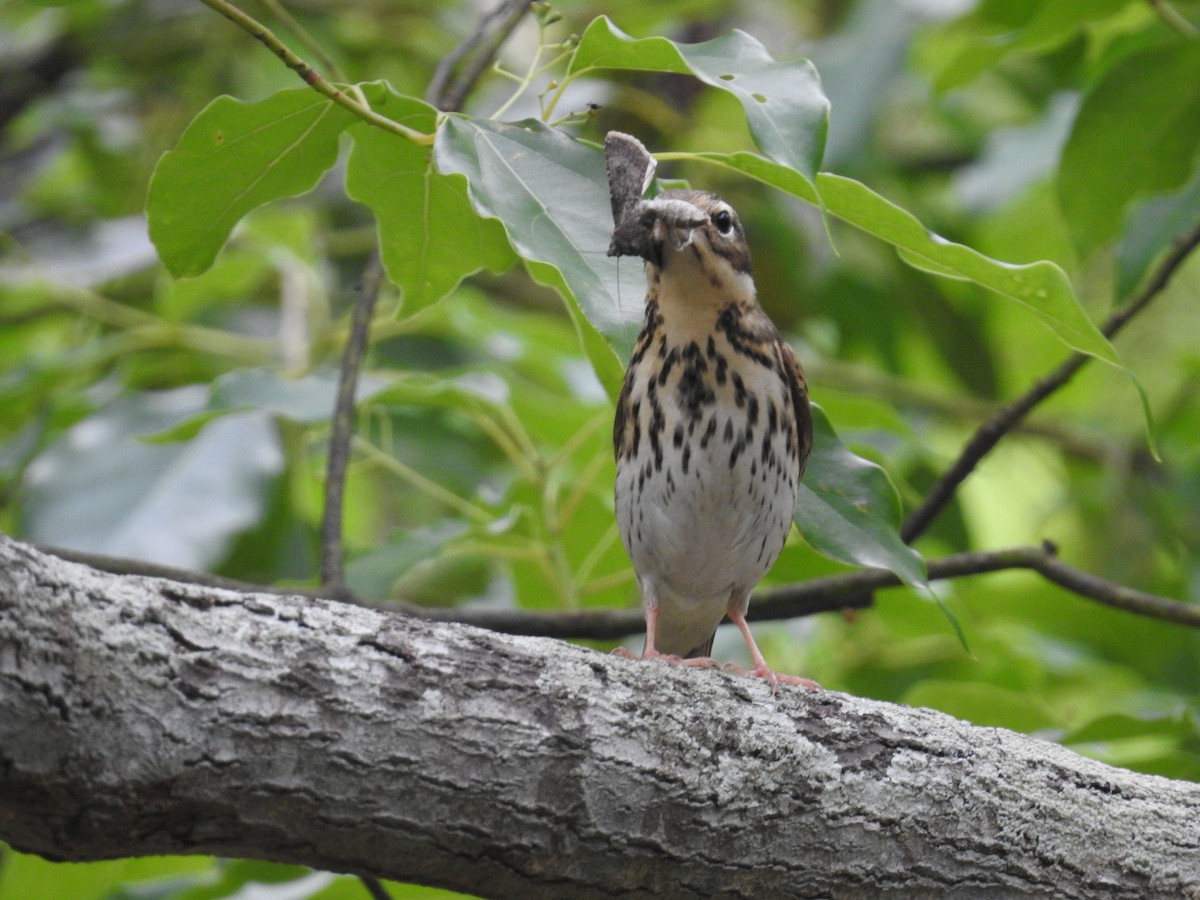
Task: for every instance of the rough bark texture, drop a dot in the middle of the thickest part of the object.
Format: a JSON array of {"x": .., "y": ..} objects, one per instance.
[{"x": 142, "y": 716}]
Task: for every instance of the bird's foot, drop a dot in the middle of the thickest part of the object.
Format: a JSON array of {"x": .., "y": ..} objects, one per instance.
[
  {"x": 669, "y": 658},
  {"x": 773, "y": 678}
]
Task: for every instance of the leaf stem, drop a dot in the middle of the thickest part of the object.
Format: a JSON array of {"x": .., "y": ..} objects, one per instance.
[
  {"x": 310, "y": 76},
  {"x": 525, "y": 82},
  {"x": 151, "y": 329},
  {"x": 1173, "y": 18},
  {"x": 472, "y": 511},
  {"x": 302, "y": 35}
]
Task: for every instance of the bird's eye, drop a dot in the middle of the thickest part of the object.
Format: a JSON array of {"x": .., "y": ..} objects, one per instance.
[{"x": 723, "y": 220}]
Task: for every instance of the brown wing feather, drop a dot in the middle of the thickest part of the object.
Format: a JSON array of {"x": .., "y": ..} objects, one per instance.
[{"x": 799, "y": 389}]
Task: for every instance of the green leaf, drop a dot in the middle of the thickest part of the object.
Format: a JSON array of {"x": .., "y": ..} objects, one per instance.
[
  {"x": 1151, "y": 228},
  {"x": 99, "y": 489},
  {"x": 551, "y": 195},
  {"x": 848, "y": 509},
  {"x": 786, "y": 110},
  {"x": 1041, "y": 287},
  {"x": 26, "y": 875},
  {"x": 429, "y": 236},
  {"x": 233, "y": 157},
  {"x": 1135, "y": 134}
]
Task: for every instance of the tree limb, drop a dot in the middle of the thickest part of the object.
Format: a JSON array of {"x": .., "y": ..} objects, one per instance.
[
  {"x": 990, "y": 432},
  {"x": 851, "y": 590},
  {"x": 145, "y": 716}
]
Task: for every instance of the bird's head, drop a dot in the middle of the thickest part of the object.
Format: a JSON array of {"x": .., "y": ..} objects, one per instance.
[
  {"x": 682, "y": 225},
  {"x": 694, "y": 247}
]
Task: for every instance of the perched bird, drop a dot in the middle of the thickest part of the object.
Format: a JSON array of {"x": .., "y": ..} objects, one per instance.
[{"x": 713, "y": 426}]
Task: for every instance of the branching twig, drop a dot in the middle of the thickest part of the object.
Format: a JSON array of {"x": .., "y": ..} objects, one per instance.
[
  {"x": 852, "y": 590},
  {"x": 990, "y": 432},
  {"x": 309, "y": 75},
  {"x": 492, "y": 31},
  {"x": 332, "y": 552},
  {"x": 302, "y": 35}
]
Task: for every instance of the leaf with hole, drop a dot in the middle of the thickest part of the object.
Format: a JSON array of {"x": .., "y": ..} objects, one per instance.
[{"x": 786, "y": 109}]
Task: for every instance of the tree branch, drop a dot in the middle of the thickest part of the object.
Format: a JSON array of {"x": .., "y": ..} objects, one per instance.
[
  {"x": 990, "y": 432},
  {"x": 144, "y": 716},
  {"x": 852, "y": 590}
]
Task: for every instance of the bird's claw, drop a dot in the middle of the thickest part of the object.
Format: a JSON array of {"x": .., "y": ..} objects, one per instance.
[
  {"x": 773, "y": 678},
  {"x": 669, "y": 658}
]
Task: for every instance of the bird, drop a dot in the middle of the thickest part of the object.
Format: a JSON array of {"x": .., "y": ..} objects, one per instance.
[{"x": 713, "y": 426}]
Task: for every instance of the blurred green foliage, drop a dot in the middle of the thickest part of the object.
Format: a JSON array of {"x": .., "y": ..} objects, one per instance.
[{"x": 184, "y": 420}]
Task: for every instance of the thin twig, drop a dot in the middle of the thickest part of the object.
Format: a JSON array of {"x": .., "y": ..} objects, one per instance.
[
  {"x": 852, "y": 590},
  {"x": 374, "y": 887},
  {"x": 1117, "y": 596},
  {"x": 990, "y": 432},
  {"x": 493, "y": 30},
  {"x": 309, "y": 75},
  {"x": 305, "y": 38},
  {"x": 1174, "y": 18},
  {"x": 341, "y": 429}
]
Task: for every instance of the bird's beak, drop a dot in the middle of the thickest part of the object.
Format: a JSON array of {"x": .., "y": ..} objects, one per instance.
[{"x": 652, "y": 225}]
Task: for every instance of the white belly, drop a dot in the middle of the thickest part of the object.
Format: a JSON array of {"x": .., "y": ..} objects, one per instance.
[{"x": 698, "y": 535}]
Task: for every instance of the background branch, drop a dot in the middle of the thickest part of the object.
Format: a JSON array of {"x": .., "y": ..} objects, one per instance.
[
  {"x": 852, "y": 590},
  {"x": 341, "y": 432},
  {"x": 479, "y": 48},
  {"x": 990, "y": 432},
  {"x": 342, "y": 425},
  {"x": 169, "y": 718}
]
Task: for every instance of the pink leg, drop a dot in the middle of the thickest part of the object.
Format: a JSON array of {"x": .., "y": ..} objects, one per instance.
[
  {"x": 761, "y": 669},
  {"x": 649, "y": 651}
]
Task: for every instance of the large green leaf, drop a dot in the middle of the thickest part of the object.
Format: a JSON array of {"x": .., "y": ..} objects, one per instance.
[
  {"x": 1041, "y": 287},
  {"x": 550, "y": 193},
  {"x": 1136, "y": 133},
  {"x": 786, "y": 110},
  {"x": 429, "y": 236},
  {"x": 848, "y": 508},
  {"x": 102, "y": 490},
  {"x": 233, "y": 157}
]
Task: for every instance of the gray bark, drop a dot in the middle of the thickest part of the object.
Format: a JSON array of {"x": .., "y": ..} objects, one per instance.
[{"x": 143, "y": 716}]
